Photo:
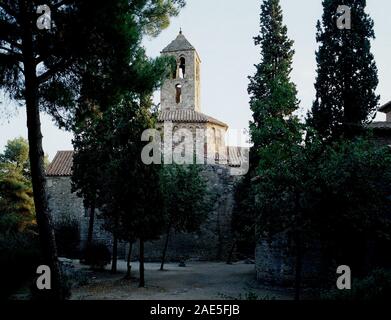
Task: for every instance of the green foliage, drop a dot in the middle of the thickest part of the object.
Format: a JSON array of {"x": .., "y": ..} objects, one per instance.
[
  {"x": 16, "y": 204},
  {"x": 113, "y": 111},
  {"x": 16, "y": 157},
  {"x": 338, "y": 195},
  {"x": 354, "y": 184},
  {"x": 335, "y": 194},
  {"x": 16, "y": 197},
  {"x": 89, "y": 43},
  {"x": 375, "y": 287},
  {"x": 275, "y": 130},
  {"x": 84, "y": 61},
  {"x": 19, "y": 250},
  {"x": 97, "y": 255},
  {"x": 347, "y": 73},
  {"x": 156, "y": 17},
  {"x": 185, "y": 202},
  {"x": 19, "y": 257},
  {"x": 115, "y": 108},
  {"x": 130, "y": 198},
  {"x": 273, "y": 95}
]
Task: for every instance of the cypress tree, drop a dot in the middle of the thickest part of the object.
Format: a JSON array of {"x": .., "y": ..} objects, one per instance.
[
  {"x": 347, "y": 74},
  {"x": 272, "y": 93},
  {"x": 275, "y": 132}
]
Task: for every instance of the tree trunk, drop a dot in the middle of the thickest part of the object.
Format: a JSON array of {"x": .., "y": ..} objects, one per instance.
[
  {"x": 298, "y": 266},
  {"x": 165, "y": 248},
  {"x": 115, "y": 253},
  {"x": 36, "y": 155},
  {"x": 142, "y": 277},
  {"x": 128, "y": 265},
  {"x": 91, "y": 225}
]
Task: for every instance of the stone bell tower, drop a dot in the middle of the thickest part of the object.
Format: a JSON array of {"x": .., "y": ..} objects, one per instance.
[
  {"x": 181, "y": 100},
  {"x": 183, "y": 89}
]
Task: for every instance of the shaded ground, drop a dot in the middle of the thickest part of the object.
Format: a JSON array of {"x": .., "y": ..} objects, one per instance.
[{"x": 198, "y": 280}]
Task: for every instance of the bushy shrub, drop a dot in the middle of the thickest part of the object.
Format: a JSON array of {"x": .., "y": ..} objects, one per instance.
[
  {"x": 97, "y": 255},
  {"x": 375, "y": 287},
  {"x": 68, "y": 239},
  {"x": 19, "y": 257}
]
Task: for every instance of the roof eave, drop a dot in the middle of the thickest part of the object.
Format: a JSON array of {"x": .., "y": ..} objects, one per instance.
[{"x": 386, "y": 108}]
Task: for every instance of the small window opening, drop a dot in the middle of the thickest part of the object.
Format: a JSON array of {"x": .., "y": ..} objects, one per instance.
[
  {"x": 178, "y": 98},
  {"x": 182, "y": 68}
]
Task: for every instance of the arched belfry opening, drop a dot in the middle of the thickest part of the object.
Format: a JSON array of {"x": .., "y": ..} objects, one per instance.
[
  {"x": 182, "y": 67},
  {"x": 178, "y": 93}
]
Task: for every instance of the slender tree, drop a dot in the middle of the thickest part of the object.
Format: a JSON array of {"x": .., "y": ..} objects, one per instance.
[
  {"x": 275, "y": 130},
  {"x": 347, "y": 74},
  {"x": 133, "y": 189},
  {"x": 273, "y": 95},
  {"x": 85, "y": 176},
  {"x": 185, "y": 203}
]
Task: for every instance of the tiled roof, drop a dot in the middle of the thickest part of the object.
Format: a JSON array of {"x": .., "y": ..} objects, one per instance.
[
  {"x": 381, "y": 125},
  {"x": 61, "y": 166},
  {"x": 188, "y": 116},
  {"x": 179, "y": 44}
]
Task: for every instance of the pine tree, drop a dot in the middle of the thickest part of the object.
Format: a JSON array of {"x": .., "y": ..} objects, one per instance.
[
  {"x": 347, "y": 73},
  {"x": 129, "y": 196},
  {"x": 42, "y": 68}
]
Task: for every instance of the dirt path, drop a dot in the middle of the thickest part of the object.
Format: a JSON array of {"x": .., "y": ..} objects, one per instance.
[{"x": 198, "y": 280}]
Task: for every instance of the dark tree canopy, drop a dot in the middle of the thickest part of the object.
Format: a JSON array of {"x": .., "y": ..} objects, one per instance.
[
  {"x": 347, "y": 74},
  {"x": 87, "y": 43}
]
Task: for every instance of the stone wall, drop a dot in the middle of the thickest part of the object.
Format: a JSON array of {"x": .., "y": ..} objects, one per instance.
[
  {"x": 65, "y": 206},
  {"x": 63, "y": 203},
  {"x": 213, "y": 242},
  {"x": 275, "y": 262}
]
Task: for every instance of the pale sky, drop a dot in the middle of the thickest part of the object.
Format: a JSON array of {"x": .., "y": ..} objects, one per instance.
[{"x": 222, "y": 31}]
